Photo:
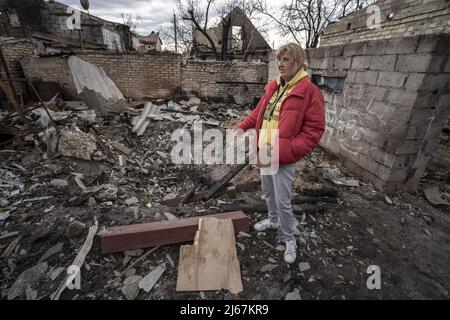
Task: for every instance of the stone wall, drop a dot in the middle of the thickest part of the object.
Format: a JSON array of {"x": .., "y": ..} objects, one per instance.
[
  {"x": 384, "y": 121},
  {"x": 409, "y": 18},
  {"x": 160, "y": 75},
  {"x": 14, "y": 51}
]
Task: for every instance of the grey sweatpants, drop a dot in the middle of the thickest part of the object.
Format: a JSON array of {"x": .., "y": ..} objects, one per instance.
[{"x": 277, "y": 191}]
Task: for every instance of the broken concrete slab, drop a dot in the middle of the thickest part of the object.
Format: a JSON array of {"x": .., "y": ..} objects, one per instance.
[
  {"x": 170, "y": 216},
  {"x": 87, "y": 115},
  {"x": 28, "y": 278},
  {"x": 268, "y": 267},
  {"x": 294, "y": 295},
  {"x": 304, "y": 266},
  {"x": 132, "y": 201},
  {"x": 50, "y": 137},
  {"x": 108, "y": 193},
  {"x": 149, "y": 281},
  {"x": 59, "y": 183},
  {"x": 76, "y": 144},
  {"x": 95, "y": 87},
  {"x": 130, "y": 287}
]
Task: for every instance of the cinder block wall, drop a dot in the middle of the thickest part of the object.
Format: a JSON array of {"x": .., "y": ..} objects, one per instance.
[
  {"x": 14, "y": 51},
  {"x": 441, "y": 156},
  {"x": 385, "y": 124},
  {"x": 159, "y": 75},
  {"x": 409, "y": 18},
  {"x": 240, "y": 80}
]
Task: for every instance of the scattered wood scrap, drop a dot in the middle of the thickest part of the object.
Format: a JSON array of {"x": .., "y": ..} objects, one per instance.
[
  {"x": 211, "y": 263},
  {"x": 222, "y": 182},
  {"x": 147, "y": 235},
  {"x": 320, "y": 192},
  {"x": 79, "y": 260},
  {"x": 262, "y": 207}
]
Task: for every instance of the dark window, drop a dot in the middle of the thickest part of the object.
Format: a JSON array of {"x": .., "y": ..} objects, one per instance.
[{"x": 333, "y": 84}]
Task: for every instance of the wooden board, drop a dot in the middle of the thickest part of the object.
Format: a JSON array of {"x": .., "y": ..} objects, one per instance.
[
  {"x": 211, "y": 263},
  {"x": 147, "y": 235}
]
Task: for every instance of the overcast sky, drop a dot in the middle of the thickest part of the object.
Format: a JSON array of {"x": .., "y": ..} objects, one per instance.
[{"x": 154, "y": 13}]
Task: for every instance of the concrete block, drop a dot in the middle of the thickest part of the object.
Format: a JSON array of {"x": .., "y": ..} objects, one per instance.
[
  {"x": 375, "y": 47},
  {"x": 342, "y": 63},
  {"x": 447, "y": 66},
  {"x": 353, "y": 49},
  {"x": 402, "y": 97},
  {"x": 433, "y": 82},
  {"x": 402, "y": 45},
  {"x": 415, "y": 81},
  {"x": 383, "y": 173},
  {"x": 418, "y": 63},
  {"x": 385, "y": 158},
  {"x": 367, "y": 163},
  {"x": 433, "y": 44},
  {"x": 367, "y": 77},
  {"x": 385, "y": 63},
  {"x": 427, "y": 100},
  {"x": 361, "y": 62},
  {"x": 409, "y": 147},
  {"x": 391, "y": 79}
]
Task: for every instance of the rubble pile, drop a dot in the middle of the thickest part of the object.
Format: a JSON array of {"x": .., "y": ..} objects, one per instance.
[{"x": 82, "y": 170}]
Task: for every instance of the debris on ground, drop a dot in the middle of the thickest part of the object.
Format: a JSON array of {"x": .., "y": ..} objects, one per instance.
[{"x": 92, "y": 164}]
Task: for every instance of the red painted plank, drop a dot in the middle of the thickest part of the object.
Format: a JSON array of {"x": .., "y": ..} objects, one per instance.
[{"x": 146, "y": 235}]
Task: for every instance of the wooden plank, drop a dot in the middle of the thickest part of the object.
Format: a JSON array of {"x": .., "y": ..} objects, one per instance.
[
  {"x": 139, "y": 236},
  {"x": 78, "y": 262},
  {"x": 211, "y": 263},
  {"x": 261, "y": 207},
  {"x": 230, "y": 175}
]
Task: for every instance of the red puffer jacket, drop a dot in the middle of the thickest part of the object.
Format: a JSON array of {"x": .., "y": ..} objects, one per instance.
[{"x": 302, "y": 120}]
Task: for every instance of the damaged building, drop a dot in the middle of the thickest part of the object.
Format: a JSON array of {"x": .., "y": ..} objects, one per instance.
[
  {"x": 243, "y": 40},
  {"x": 88, "y": 181},
  {"x": 57, "y": 25}
]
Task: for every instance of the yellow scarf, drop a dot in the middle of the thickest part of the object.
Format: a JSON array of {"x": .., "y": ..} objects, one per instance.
[{"x": 272, "y": 113}]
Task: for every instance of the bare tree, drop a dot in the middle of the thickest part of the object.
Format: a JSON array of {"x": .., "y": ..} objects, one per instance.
[
  {"x": 305, "y": 19},
  {"x": 130, "y": 20},
  {"x": 191, "y": 11}
]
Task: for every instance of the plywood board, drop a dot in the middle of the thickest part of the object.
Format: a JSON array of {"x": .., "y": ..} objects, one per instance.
[{"x": 211, "y": 263}]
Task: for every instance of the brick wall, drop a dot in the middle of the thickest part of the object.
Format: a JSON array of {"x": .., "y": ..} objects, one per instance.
[
  {"x": 14, "y": 51},
  {"x": 159, "y": 75},
  {"x": 410, "y": 18},
  {"x": 385, "y": 124},
  {"x": 241, "y": 80},
  {"x": 137, "y": 75}
]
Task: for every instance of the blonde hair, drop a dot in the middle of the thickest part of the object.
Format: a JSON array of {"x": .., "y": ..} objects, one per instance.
[{"x": 297, "y": 53}]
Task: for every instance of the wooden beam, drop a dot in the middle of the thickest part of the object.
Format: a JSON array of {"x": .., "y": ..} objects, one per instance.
[{"x": 139, "y": 236}]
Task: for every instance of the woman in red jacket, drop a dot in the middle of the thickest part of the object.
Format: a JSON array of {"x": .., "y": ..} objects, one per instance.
[{"x": 293, "y": 107}]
